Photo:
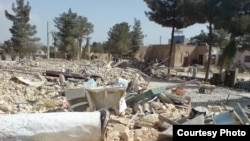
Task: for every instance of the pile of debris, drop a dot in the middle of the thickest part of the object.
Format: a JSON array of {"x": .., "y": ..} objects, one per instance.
[{"x": 135, "y": 112}]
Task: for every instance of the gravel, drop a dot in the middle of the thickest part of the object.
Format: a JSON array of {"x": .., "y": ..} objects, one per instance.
[{"x": 220, "y": 96}]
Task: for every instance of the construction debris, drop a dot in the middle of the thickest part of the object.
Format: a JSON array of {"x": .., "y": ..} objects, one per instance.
[{"x": 139, "y": 107}]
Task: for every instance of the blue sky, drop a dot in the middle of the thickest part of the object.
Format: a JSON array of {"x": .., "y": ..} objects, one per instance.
[{"x": 103, "y": 14}]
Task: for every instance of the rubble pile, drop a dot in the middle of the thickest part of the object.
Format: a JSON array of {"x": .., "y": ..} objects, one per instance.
[
  {"x": 41, "y": 92},
  {"x": 137, "y": 111}
]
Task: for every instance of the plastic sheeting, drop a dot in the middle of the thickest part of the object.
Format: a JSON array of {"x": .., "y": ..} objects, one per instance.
[{"x": 64, "y": 126}]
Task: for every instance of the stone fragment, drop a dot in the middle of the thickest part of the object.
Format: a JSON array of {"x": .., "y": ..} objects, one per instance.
[{"x": 4, "y": 108}]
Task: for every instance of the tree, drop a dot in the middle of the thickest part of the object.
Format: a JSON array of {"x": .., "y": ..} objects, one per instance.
[
  {"x": 119, "y": 40},
  {"x": 7, "y": 47},
  {"x": 209, "y": 10},
  {"x": 201, "y": 38},
  {"x": 22, "y": 32},
  {"x": 222, "y": 14},
  {"x": 169, "y": 13},
  {"x": 236, "y": 21},
  {"x": 71, "y": 30},
  {"x": 136, "y": 35},
  {"x": 84, "y": 28},
  {"x": 220, "y": 38},
  {"x": 244, "y": 41},
  {"x": 97, "y": 47}
]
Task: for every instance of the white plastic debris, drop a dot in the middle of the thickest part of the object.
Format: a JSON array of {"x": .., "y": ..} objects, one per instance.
[{"x": 61, "y": 126}]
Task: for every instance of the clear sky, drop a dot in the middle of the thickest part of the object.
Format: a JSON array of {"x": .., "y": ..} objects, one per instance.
[{"x": 103, "y": 14}]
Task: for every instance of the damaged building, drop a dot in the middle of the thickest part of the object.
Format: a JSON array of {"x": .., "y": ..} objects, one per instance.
[{"x": 183, "y": 55}]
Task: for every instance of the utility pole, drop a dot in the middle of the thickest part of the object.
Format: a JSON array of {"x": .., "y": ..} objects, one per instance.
[
  {"x": 160, "y": 40},
  {"x": 48, "y": 49},
  {"x": 88, "y": 47}
]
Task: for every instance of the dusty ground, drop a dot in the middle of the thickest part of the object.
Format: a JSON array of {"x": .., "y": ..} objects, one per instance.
[{"x": 221, "y": 95}]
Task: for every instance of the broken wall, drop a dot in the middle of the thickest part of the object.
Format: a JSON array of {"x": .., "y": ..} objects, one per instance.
[
  {"x": 140, "y": 53},
  {"x": 159, "y": 52},
  {"x": 191, "y": 52},
  {"x": 101, "y": 56}
]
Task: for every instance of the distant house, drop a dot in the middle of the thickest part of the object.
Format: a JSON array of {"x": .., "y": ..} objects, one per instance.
[
  {"x": 101, "y": 56},
  {"x": 179, "y": 39},
  {"x": 183, "y": 55},
  {"x": 40, "y": 53},
  {"x": 242, "y": 59},
  {"x": 216, "y": 55}
]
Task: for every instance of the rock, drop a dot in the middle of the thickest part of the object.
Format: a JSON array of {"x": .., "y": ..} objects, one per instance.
[
  {"x": 30, "y": 91},
  {"x": 138, "y": 108},
  {"x": 2, "y": 112},
  {"x": 128, "y": 111},
  {"x": 119, "y": 127},
  {"x": 138, "y": 133},
  {"x": 164, "y": 98},
  {"x": 131, "y": 139},
  {"x": 57, "y": 87},
  {"x": 206, "y": 88},
  {"x": 1, "y": 102},
  {"x": 156, "y": 105},
  {"x": 149, "y": 120},
  {"x": 113, "y": 135},
  {"x": 170, "y": 107},
  {"x": 61, "y": 79},
  {"x": 152, "y": 118},
  {"x": 123, "y": 131},
  {"x": 4, "y": 108},
  {"x": 138, "y": 139},
  {"x": 125, "y": 135}
]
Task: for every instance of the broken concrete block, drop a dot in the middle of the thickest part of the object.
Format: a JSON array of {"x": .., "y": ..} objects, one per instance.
[
  {"x": 175, "y": 98},
  {"x": 61, "y": 79},
  {"x": 214, "y": 108},
  {"x": 77, "y": 99},
  {"x": 30, "y": 91},
  {"x": 138, "y": 133},
  {"x": 146, "y": 108},
  {"x": 152, "y": 118},
  {"x": 206, "y": 88},
  {"x": 170, "y": 107},
  {"x": 123, "y": 131},
  {"x": 4, "y": 108},
  {"x": 107, "y": 98},
  {"x": 146, "y": 95},
  {"x": 157, "y": 105},
  {"x": 138, "y": 139},
  {"x": 164, "y": 98},
  {"x": 113, "y": 135},
  {"x": 138, "y": 108}
]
